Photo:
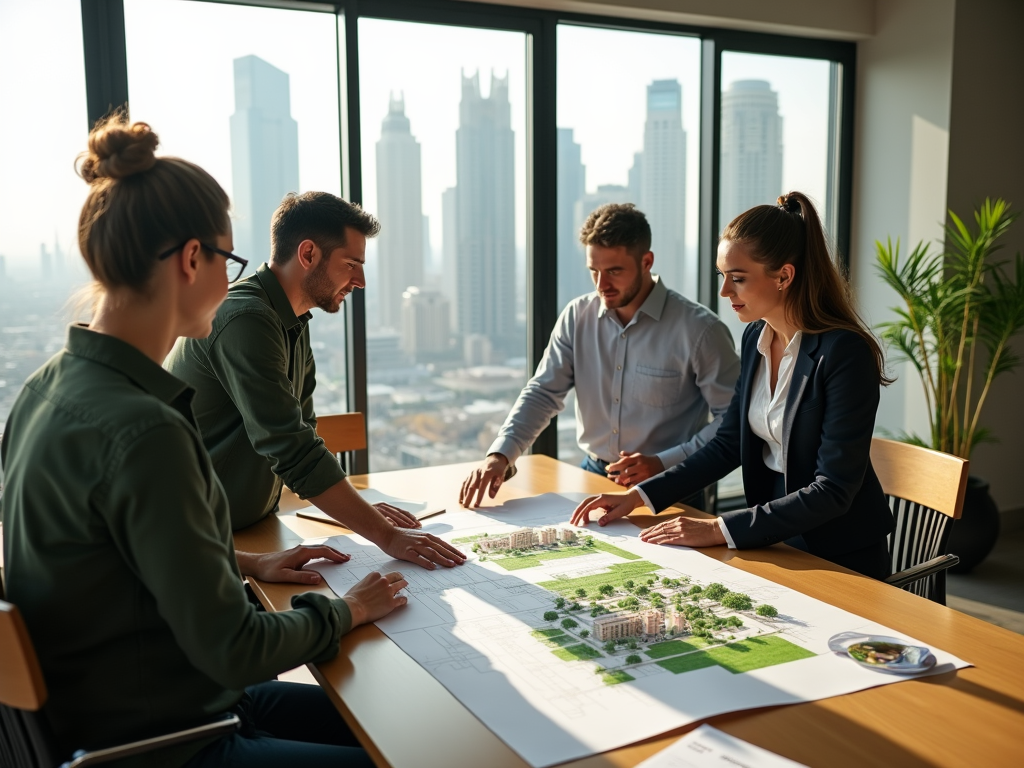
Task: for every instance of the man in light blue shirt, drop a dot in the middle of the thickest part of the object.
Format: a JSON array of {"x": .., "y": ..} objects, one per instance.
[{"x": 648, "y": 365}]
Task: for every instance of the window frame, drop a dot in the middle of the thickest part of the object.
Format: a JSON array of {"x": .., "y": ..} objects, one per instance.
[{"x": 107, "y": 87}]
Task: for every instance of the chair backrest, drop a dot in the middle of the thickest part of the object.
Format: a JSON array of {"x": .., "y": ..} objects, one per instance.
[
  {"x": 25, "y": 737},
  {"x": 21, "y": 679},
  {"x": 342, "y": 432},
  {"x": 925, "y": 490}
]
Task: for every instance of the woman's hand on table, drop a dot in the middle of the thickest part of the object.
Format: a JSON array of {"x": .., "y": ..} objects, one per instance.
[
  {"x": 397, "y": 517},
  {"x": 375, "y": 597},
  {"x": 287, "y": 565},
  {"x": 616, "y": 505},
  {"x": 685, "y": 531}
]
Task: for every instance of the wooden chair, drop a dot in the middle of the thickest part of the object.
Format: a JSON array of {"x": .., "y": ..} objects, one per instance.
[
  {"x": 341, "y": 433},
  {"x": 25, "y": 737},
  {"x": 925, "y": 490}
]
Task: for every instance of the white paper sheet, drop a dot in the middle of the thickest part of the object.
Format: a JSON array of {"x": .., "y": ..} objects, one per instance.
[
  {"x": 707, "y": 747},
  {"x": 471, "y": 626}
]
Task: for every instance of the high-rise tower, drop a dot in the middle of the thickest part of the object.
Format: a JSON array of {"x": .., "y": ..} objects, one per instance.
[
  {"x": 485, "y": 245},
  {"x": 400, "y": 208},
  {"x": 573, "y": 278},
  {"x": 663, "y": 183},
  {"x": 751, "y": 165},
  {"x": 264, "y": 152}
]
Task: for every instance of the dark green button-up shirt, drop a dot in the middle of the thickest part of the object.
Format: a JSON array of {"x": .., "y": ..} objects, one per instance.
[
  {"x": 118, "y": 552},
  {"x": 254, "y": 377}
]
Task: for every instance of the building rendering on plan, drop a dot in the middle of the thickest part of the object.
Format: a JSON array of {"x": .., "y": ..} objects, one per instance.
[
  {"x": 527, "y": 538},
  {"x": 264, "y": 153}
]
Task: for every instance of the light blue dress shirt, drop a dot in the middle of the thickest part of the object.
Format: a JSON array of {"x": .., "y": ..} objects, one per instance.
[{"x": 648, "y": 386}]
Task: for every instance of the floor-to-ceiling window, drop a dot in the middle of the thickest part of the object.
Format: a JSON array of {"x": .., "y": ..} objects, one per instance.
[
  {"x": 628, "y": 132},
  {"x": 480, "y": 135},
  {"x": 42, "y": 88}
]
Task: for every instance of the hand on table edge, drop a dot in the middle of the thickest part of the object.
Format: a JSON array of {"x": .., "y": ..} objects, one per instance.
[
  {"x": 287, "y": 565},
  {"x": 616, "y": 505}
]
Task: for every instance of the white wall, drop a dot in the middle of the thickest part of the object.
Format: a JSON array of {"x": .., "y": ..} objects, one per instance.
[
  {"x": 904, "y": 75},
  {"x": 986, "y": 159}
]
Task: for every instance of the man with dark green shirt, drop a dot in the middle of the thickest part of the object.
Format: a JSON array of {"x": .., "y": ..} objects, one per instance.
[{"x": 254, "y": 377}]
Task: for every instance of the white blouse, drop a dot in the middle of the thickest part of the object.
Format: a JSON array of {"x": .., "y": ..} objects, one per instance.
[
  {"x": 767, "y": 412},
  {"x": 767, "y": 409}
]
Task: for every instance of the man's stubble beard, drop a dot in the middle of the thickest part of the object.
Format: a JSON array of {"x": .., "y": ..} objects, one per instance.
[
  {"x": 319, "y": 289},
  {"x": 631, "y": 292}
]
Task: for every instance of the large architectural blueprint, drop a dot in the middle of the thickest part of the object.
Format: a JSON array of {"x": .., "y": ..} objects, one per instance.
[{"x": 567, "y": 642}]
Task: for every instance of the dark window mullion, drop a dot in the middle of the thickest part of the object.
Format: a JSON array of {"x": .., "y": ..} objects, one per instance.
[
  {"x": 106, "y": 60},
  {"x": 710, "y": 142}
]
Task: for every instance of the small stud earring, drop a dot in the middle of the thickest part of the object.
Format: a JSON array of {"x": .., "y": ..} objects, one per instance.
[{"x": 780, "y": 286}]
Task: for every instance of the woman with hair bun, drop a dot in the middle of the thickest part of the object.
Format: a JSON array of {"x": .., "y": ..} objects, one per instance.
[
  {"x": 117, "y": 538},
  {"x": 801, "y": 418}
]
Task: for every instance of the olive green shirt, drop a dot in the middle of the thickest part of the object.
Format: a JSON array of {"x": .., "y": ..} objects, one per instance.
[
  {"x": 254, "y": 377},
  {"x": 118, "y": 551}
]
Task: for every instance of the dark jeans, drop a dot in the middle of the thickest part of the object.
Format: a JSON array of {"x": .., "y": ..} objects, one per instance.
[
  {"x": 597, "y": 466},
  {"x": 285, "y": 724}
]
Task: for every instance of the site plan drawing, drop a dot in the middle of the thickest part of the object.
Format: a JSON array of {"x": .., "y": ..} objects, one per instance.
[{"x": 568, "y": 641}]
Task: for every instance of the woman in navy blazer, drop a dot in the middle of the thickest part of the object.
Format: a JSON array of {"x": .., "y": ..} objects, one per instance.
[{"x": 801, "y": 418}]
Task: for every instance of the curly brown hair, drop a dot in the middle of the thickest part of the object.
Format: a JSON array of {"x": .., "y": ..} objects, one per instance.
[{"x": 618, "y": 224}]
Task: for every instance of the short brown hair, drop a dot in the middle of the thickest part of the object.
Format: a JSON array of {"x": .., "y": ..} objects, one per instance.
[
  {"x": 317, "y": 216},
  {"x": 140, "y": 204},
  {"x": 617, "y": 224}
]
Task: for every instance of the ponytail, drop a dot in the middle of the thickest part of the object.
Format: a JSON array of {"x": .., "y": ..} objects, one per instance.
[{"x": 818, "y": 298}]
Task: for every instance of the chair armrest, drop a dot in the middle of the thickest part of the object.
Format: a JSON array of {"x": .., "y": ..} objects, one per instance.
[
  {"x": 910, "y": 575},
  {"x": 220, "y": 727}
]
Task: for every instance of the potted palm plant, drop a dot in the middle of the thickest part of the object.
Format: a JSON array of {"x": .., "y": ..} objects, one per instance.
[{"x": 961, "y": 307}]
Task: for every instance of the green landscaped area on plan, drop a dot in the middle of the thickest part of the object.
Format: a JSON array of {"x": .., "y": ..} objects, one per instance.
[
  {"x": 538, "y": 556},
  {"x": 615, "y": 576},
  {"x": 741, "y": 656},
  {"x": 675, "y": 647},
  {"x": 579, "y": 652},
  {"x": 615, "y": 676},
  {"x": 554, "y": 638}
]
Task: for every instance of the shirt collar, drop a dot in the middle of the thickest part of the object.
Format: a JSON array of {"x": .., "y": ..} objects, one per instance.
[
  {"x": 278, "y": 298},
  {"x": 653, "y": 305},
  {"x": 764, "y": 342},
  {"x": 128, "y": 360}
]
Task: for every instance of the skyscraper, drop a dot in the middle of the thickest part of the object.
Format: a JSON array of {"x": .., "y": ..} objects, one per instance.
[
  {"x": 400, "y": 209},
  {"x": 662, "y": 173},
  {"x": 264, "y": 152},
  {"x": 751, "y": 159},
  {"x": 485, "y": 246},
  {"x": 573, "y": 279},
  {"x": 425, "y": 323}
]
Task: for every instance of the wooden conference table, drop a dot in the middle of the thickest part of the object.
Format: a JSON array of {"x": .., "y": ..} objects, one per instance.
[{"x": 406, "y": 719}]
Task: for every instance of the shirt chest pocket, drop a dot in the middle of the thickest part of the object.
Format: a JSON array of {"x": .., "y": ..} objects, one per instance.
[{"x": 657, "y": 387}]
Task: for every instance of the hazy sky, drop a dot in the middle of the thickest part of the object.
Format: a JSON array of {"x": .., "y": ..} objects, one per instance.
[{"x": 180, "y": 57}]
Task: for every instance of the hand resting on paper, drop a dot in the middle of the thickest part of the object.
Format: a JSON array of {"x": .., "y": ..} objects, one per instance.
[
  {"x": 375, "y": 597},
  {"x": 287, "y": 565},
  {"x": 686, "y": 532},
  {"x": 615, "y": 505},
  {"x": 397, "y": 517}
]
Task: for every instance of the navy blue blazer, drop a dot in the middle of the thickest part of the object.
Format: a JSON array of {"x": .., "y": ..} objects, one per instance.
[{"x": 833, "y": 497}]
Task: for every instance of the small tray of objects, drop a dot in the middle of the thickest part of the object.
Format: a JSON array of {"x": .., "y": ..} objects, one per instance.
[{"x": 882, "y": 653}]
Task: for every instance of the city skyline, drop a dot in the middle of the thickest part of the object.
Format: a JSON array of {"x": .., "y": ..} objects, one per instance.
[{"x": 264, "y": 151}]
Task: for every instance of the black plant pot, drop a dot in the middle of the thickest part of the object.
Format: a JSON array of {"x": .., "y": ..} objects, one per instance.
[{"x": 975, "y": 533}]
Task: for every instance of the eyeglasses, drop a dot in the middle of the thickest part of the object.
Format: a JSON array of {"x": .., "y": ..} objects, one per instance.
[{"x": 236, "y": 265}]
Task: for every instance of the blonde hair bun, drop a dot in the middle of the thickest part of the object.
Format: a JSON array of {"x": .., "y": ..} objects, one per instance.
[{"x": 118, "y": 150}]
